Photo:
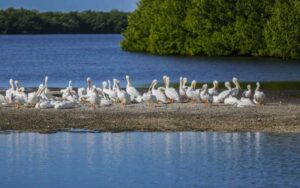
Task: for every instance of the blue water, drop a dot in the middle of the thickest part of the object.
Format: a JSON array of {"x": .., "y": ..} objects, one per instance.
[
  {"x": 29, "y": 58},
  {"x": 187, "y": 159}
]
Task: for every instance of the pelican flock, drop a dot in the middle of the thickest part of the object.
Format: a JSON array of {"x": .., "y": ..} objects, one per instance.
[{"x": 108, "y": 94}]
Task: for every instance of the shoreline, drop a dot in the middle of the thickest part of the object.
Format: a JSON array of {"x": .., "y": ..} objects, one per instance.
[{"x": 281, "y": 114}]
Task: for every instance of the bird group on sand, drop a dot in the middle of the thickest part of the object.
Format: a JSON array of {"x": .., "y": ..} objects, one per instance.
[{"x": 111, "y": 93}]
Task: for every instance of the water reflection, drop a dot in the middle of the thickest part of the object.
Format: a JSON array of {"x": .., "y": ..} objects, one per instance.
[{"x": 184, "y": 159}]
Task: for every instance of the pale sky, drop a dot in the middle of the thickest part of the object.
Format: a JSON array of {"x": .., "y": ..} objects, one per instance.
[{"x": 70, "y": 5}]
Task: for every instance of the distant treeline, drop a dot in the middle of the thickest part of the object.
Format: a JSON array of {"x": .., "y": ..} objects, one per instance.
[
  {"x": 21, "y": 21},
  {"x": 215, "y": 28}
]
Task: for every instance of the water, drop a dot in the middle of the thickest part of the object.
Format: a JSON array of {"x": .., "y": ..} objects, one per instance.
[
  {"x": 186, "y": 159},
  {"x": 62, "y": 57}
]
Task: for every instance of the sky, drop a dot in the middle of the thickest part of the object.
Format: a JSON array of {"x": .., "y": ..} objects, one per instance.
[{"x": 70, "y": 5}]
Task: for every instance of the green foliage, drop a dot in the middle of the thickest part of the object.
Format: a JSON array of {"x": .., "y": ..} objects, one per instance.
[
  {"x": 21, "y": 21},
  {"x": 215, "y": 27}
]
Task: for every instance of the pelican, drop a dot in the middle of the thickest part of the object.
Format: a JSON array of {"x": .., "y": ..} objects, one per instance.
[
  {"x": 47, "y": 93},
  {"x": 191, "y": 93},
  {"x": 214, "y": 90},
  {"x": 182, "y": 91},
  {"x": 158, "y": 93},
  {"x": 3, "y": 100},
  {"x": 84, "y": 92},
  {"x": 111, "y": 91},
  {"x": 94, "y": 98},
  {"x": 34, "y": 97},
  {"x": 230, "y": 100},
  {"x": 44, "y": 104},
  {"x": 223, "y": 95},
  {"x": 20, "y": 95},
  {"x": 170, "y": 92},
  {"x": 205, "y": 96},
  {"x": 105, "y": 101},
  {"x": 246, "y": 98},
  {"x": 259, "y": 96},
  {"x": 135, "y": 95},
  {"x": 148, "y": 97},
  {"x": 122, "y": 95},
  {"x": 10, "y": 93},
  {"x": 64, "y": 105},
  {"x": 235, "y": 91}
]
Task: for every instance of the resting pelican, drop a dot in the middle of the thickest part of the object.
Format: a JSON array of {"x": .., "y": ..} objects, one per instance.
[
  {"x": 214, "y": 90},
  {"x": 34, "y": 97},
  {"x": 235, "y": 91},
  {"x": 158, "y": 93},
  {"x": 259, "y": 96},
  {"x": 182, "y": 91},
  {"x": 191, "y": 93},
  {"x": 148, "y": 97},
  {"x": 205, "y": 96},
  {"x": 3, "y": 100},
  {"x": 170, "y": 92},
  {"x": 44, "y": 104},
  {"x": 223, "y": 95},
  {"x": 122, "y": 95},
  {"x": 135, "y": 95},
  {"x": 246, "y": 98}
]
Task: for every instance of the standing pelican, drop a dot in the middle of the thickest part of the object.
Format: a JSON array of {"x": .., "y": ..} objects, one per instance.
[
  {"x": 158, "y": 93},
  {"x": 182, "y": 91},
  {"x": 122, "y": 95},
  {"x": 47, "y": 91},
  {"x": 191, "y": 93},
  {"x": 83, "y": 92},
  {"x": 205, "y": 96},
  {"x": 135, "y": 95},
  {"x": 20, "y": 95},
  {"x": 170, "y": 92},
  {"x": 259, "y": 96},
  {"x": 214, "y": 90},
  {"x": 111, "y": 92},
  {"x": 93, "y": 97},
  {"x": 10, "y": 93},
  {"x": 235, "y": 91}
]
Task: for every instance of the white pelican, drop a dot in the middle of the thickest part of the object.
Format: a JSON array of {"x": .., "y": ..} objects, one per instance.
[
  {"x": 44, "y": 104},
  {"x": 64, "y": 105},
  {"x": 223, "y": 95},
  {"x": 214, "y": 90},
  {"x": 47, "y": 91},
  {"x": 84, "y": 92},
  {"x": 170, "y": 92},
  {"x": 158, "y": 93},
  {"x": 248, "y": 92},
  {"x": 10, "y": 93},
  {"x": 230, "y": 100},
  {"x": 111, "y": 91},
  {"x": 20, "y": 95},
  {"x": 191, "y": 93},
  {"x": 3, "y": 100},
  {"x": 135, "y": 95},
  {"x": 122, "y": 95},
  {"x": 246, "y": 98},
  {"x": 259, "y": 96},
  {"x": 93, "y": 97},
  {"x": 34, "y": 97},
  {"x": 204, "y": 96},
  {"x": 182, "y": 91},
  {"x": 148, "y": 97},
  {"x": 235, "y": 91}
]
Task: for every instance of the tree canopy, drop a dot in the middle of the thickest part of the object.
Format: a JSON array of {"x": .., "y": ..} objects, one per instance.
[
  {"x": 215, "y": 28},
  {"x": 21, "y": 21}
]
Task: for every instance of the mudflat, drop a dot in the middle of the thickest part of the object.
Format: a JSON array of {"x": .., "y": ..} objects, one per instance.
[{"x": 280, "y": 114}]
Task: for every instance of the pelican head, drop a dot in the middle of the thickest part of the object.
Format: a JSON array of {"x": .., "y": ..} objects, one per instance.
[
  {"x": 205, "y": 86},
  {"x": 236, "y": 82},
  {"x": 227, "y": 85},
  {"x": 104, "y": 84},
  {"x": 70, "y": 83},
  {"x": 89, "y": 82},
  {"x": 216, "y": 84},
  {"x": 193, "y": 84},
  {"x": 11, "y": 82},
  {"x": 127, "y": 77},
  {"x": 249, "y": 87},
  {"x": 17, "y": 84},
  {"x": 46, "y": 78}
]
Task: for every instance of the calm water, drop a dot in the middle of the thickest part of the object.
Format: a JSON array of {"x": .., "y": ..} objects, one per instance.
[
  {"x": 63, "y": 57},
  {"x": 149, "y": 160}
]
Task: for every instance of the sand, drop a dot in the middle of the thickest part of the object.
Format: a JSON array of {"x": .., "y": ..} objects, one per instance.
[{"x": 280, "y": 114}]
